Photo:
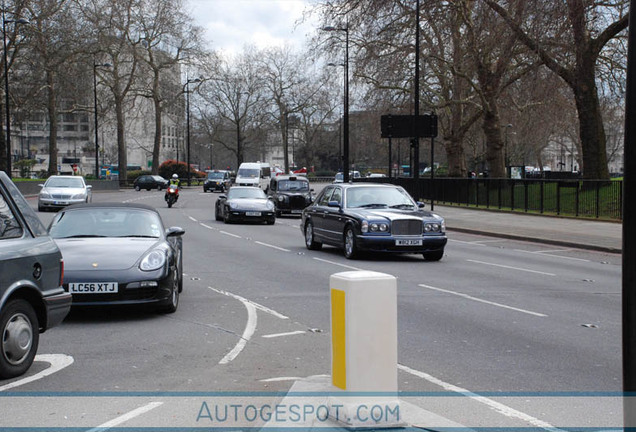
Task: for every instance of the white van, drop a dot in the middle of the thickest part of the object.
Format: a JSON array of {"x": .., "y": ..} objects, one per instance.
[{"x": 251, "y": 174}]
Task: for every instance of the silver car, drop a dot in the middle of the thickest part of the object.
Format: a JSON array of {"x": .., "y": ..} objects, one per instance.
[
  {"x": 61, "y": 191},
  {"x": 32, "y": 298}
]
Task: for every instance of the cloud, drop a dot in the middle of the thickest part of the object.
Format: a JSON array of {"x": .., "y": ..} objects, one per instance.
[{"x": 232, "y": 24}]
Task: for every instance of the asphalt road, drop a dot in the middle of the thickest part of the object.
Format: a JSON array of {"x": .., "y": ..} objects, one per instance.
[{"x": 534, "y": 328}]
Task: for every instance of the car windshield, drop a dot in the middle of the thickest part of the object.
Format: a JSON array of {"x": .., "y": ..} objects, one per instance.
[
  {"x": 339, "y": 176},
  {"x": 248, "y": 172},
  {"x": 215, "y": 175},
  {"x": 64, "y": 182},
  {"x": 293, "y": 185},
  {"x": 369, "y": 197},
  {"x": 251, "y": 192},
  {"x": 106, "y": 222}
]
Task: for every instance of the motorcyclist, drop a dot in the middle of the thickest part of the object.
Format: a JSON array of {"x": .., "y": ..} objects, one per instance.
[{"x": 174, "y": 181}]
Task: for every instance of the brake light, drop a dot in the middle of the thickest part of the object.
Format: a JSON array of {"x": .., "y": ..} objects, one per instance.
[{"x": 61, "y": 272}]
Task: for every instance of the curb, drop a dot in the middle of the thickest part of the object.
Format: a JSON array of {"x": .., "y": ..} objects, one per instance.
[{"x": 539, "y": 240}]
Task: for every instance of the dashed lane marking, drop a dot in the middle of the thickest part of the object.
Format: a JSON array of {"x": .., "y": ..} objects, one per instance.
[
  {"x": 275, "y": 335},
  {"x": 511, "y": 268},
  {"x": 272, "y": 246},
  {"x": 483, "y": 301},
  {"x": 128, "y": 416},
  {"x": 337, "y": 264}
]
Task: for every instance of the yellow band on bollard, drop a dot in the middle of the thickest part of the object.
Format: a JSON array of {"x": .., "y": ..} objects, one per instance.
[{"x": 338, "y": 339}]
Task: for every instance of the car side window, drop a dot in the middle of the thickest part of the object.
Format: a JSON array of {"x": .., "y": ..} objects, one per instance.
[
  {"x": 337, "y": 195},
  {"x": 9, "y": 225},
  {"x": 326, "y": 195}
]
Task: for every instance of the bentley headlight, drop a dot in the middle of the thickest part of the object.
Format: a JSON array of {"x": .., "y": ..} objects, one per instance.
[
  {"x": 432, "y": 227},
  {"x": 374, "y": 227},
  {"x": 153, "y": 261}
]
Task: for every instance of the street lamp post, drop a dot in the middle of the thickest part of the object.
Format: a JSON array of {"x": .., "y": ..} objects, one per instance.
[
  {"x": 187, "y": 91},
  {"x": 345, "y": 117},
  {"x": 6, "y": 82},
  {"x": 95, "y": 66}
]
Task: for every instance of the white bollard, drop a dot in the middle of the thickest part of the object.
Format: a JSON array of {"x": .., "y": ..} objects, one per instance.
[{"x": 364, "y": 349}]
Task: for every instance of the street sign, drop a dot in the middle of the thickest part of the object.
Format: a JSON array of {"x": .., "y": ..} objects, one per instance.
[{"x": 408, "y": 126}]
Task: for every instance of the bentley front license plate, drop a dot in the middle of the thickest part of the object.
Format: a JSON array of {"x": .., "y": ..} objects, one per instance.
[
  {"x": 93, "y": 287},
  {"x": 408, "y": 242},
  {"x": 252, "y": 213}
]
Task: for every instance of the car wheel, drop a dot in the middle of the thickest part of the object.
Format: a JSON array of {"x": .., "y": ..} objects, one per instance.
[
  {"x": 174, "y": 297},
  {"x": 278, "y": 213},
  {"x": 310, "y": 241},
  {"x": 433, "y": 256},
  {"x": 180, "y": 267},
  {"x": 350, "y": 247},
  {"x": 137, "y": 188},
  {"x": 40, "y": 208},
  {"x": 271, "y": 221},
  {"x": 19, "y": 338},
  {"x": 148, "y": 189},
  {"x": 226, "y": 217}
]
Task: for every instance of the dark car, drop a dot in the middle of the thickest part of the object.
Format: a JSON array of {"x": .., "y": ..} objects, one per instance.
[
  {"x": 32, "y": 299},
  {"x": 150, "y": 182},
  {"x": 119, "y": 254},
  {"x": 290, "y": 194},
  {"x": 245, "y": 204},
  {"x": 217, "y": 180},
  {"x": 368, "y": 217}
]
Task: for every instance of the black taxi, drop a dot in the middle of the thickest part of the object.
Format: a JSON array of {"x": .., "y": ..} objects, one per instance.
[{"x": 290, "y": 194}]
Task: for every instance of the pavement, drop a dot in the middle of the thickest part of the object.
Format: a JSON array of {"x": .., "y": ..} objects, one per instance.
[{"x": 580, "y": 233}]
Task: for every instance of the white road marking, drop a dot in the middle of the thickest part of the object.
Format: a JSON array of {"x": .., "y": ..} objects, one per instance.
[
  {"x": 128, "y": 416},
  {"x": 496, "y": 406},
  {"x": 550, "y": 255},
  {"x": 206, "y": 226},
  {"x": 281, "y": 379},
  {"x": 275, "y": 335},
  {"x": 511, "y": 268},
  {"x": 272, "y": 246},
  {"x": 192, "y": 219},
  {"x": 230, "y": 234},
  {"x": 483, "y": 301},
  {"x": 57, "y": 362},
  {"x": 256, "y": 305},
  {"x": 337, "y": 264},
  {"x": 250, "y": 328},
  {"x": 466, "y": 242}
]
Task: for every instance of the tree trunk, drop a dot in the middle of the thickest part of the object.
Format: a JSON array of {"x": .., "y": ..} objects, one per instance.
[
  {"x": 157, "y": 144},
  {"x": 455, "y": 156},
  {"x": 3, "y": 142},
  {"x": 591, "y": 129},
  {"x": 494, "y": 144},
  {"x": 52, "y": 111},
  {"x": 122, "y": 158}
]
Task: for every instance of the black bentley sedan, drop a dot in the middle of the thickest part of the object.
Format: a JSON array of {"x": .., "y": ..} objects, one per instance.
[
  {"x": 290, "y": 194},
  {"x": 119, "y": 254},
  {"x": 372, "y": 217}
]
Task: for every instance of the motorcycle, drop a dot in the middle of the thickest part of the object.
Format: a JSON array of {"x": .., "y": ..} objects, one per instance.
[{"x": 172, "y": 195}]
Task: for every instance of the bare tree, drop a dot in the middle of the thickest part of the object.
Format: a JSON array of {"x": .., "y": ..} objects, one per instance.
[{"x": 569, "y": 38}]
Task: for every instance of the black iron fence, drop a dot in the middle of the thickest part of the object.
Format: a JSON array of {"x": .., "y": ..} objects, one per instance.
[{"x": 600, "y": 199}]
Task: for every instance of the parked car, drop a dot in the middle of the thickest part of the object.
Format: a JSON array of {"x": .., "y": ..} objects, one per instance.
[
  {"x": 290, "y": 194},
  {"x": 217, "y": 180},
  {"x": 149, "y": 182},
  {"x": 119, "y": 254},
  {"x": 245, "y": 203},
  {"x": 32, "y": 299},
  {"x": 339, "y": 178},
  {"x": 63, "y": 190},
  {"x": 372, "y": 217}
]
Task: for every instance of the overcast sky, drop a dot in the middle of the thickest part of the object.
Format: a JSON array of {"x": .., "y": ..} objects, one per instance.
[{"x": 232, "y": 24}]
